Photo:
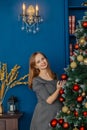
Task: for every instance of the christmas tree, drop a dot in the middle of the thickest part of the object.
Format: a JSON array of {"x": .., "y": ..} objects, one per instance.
[{"x": 73, "y": 115}]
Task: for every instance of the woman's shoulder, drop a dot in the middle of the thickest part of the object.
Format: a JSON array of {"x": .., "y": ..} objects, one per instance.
[
  {"x": 41, "y": 80},
  {"x": 38, "y": 79},
  {"x": 37, "y": 83}
]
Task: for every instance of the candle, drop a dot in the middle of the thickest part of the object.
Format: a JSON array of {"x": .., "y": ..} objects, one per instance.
[
  {"x": 37, "y": 10},
  {"x": 23, "y": 7}
]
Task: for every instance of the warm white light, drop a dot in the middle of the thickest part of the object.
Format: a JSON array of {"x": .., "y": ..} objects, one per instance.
[
  {"x": 37, "y": 10},
  {"x": 23, "y": 7}
]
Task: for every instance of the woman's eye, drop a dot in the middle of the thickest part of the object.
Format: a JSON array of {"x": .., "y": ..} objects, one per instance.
[
  {"x": 43, "y": 58},
  {"x": 38, "y": 62}
]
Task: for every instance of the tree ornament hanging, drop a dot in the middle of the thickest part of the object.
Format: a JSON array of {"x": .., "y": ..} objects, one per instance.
[
  {"x": 53, "y": 123},
  {"x": 82, "y": 41},
  {"x": 84, "y": 24},
  {"x": 65, "y": 109},
  {"x": 80, "y": 58},
  {"x": 64, "y": 77},
  {"x": 76, "y": 113},
  {"x": 76, "y": 46},
  {"x": 85, "y": 113},
  {"x": 82, "y": 128},
  {"x": 61, "y": 99},
  {"x": 76, "y": 87},
  {"x": 60, "y": 121},
  {"x": 65, "y": 125},
  {"x": 73, "y": 65},
  {"x": 79, "y": 99},
  {"x": 61, "y": 91}
]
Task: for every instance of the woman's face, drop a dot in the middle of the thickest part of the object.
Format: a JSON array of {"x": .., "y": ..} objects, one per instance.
[{"x": 41, "y": 62}]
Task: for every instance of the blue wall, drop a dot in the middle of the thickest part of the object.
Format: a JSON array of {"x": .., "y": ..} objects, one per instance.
[{"x": 16, "y": 46}]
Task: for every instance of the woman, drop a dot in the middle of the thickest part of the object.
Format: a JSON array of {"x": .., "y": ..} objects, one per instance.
[{"x": 46, "y": 86}]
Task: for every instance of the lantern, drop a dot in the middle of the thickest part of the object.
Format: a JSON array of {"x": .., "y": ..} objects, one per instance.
[{"x": 12, "y": 105}]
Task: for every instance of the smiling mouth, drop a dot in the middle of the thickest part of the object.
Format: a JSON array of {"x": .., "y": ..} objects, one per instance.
[{"x": 43, "y": 65}]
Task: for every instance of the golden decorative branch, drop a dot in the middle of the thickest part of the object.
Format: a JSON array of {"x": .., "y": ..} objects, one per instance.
[{"x": 9, "y": 80}]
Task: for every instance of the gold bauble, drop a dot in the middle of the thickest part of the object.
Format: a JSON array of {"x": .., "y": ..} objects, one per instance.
[
  {"x": 73, "y": 65},
  {"x": 82, "y": 40},
  {"x": 85, "y": 61},
  {"x": 83, "y": 94},
  {"x": 75, "y": 128},
  {"x": 68, "y": 112},
  {"x": 85, "y": 105},
  {"x": 65, "y": 109},
  {"x": 80, "y": 58}
]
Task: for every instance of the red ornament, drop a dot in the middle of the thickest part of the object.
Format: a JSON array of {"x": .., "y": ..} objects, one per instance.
[
  {"x": 85, "y": 113},
  {"x": 82, "y": 128},
  {"x": 76, "y": 87},
  {"x": 75, "y": 113},
  {"x": 53, "y": 123},
  {"x": 60, "y": 121},
  {"x": 61, "y": 99},
  {"x": 64, "y": 77},
  {"x": 79, "y": 99},
  {"x": 84, "y": 24},
  {"x": 76, "y": 46},
  {"x": 61, "y": 91},
  {"x": 65, "y": 125}
]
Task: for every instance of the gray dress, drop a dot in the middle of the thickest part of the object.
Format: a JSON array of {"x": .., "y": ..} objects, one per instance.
[{"x": 44, "y": 112}]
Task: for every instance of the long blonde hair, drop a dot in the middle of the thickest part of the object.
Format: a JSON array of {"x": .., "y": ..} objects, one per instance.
[{"x": 34, "y": 72}]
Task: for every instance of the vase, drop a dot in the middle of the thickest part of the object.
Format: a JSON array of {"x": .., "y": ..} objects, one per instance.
[{"x": 1, "y": 108}]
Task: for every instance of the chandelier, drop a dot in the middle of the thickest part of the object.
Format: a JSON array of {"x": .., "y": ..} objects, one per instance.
[{"x": 30, "y": 18}]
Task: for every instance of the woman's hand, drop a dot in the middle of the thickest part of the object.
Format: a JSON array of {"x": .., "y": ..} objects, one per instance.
[{"x": 60, "y": 84}]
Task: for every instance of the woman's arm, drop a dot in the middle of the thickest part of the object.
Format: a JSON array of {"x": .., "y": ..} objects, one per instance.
[{"x": 54, "y": 96}]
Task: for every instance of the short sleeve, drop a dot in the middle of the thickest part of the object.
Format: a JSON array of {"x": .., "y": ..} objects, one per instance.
[{"x": 40, "y": 89}]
